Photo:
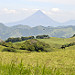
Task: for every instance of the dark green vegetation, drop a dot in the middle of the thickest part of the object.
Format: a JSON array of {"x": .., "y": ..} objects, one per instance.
[
  {"x": 67, "y": 45},
  {"x": 9, "y": 50},
  {"x": 42, "y": 37},
  {"x": 30, "y": 45},
  {"x": 34, "y": 45},
  {"x": 73, "y": 35},
  {"x": 19, "y": 39},
  {"x": 23, "y": 30}
]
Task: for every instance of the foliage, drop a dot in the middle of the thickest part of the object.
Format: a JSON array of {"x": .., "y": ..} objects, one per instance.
[
  {"x": 30, "y": 45},
  {"x": 54, "y": 43},
  {"x": 19, "y": 39},
  {"x": 42, "y": 36},
  {"x": 9, "y": 49},
  {"x": 68, "y": 45},
  {"x": 73, "y": 35},
  {"x": 26, "y": 38},
  {"x": 13, "y": 39},
  {"x": 9, "y": 44},
  {"x": 34, "y": 45}
]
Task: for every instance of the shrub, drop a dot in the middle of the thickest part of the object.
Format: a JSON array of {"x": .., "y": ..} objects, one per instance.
[
  {"x": 68, "y": 45},
  {"x": 9, "y": 50},
  {"x": 73, "y": 35},
  {"x": 42, "y": 36},
  {"x": 18, "y": 39},
  {"x": 34, "y": 45},
  {"x": 9, "y": 44}
]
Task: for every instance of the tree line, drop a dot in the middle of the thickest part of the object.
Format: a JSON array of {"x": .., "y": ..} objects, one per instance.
[{"x": 18, "y": 39}]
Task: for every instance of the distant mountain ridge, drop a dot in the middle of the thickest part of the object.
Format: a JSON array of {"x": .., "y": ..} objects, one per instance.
[
  {"x": 38, "y": 18},
  {"x": 70, "y": 22},
  {"x": 37, "y": 24},
  {"x": 24, "y": 30}
]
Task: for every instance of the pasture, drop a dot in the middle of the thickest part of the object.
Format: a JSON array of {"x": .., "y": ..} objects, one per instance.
[
  {"x": 57, "y": 62},
  {"x": 42, "y": 63}
]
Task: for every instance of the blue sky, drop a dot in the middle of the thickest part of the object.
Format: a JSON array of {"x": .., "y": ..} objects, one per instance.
[{"x": 14, "y": 10}]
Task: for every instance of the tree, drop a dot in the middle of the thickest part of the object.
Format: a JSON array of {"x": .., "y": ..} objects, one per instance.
[
  {"x": 73, "y": 35},
  {"x": 42, "y": 36},
  {"x": 18, "y": 39},
  {"x": 34, "y": 45}
]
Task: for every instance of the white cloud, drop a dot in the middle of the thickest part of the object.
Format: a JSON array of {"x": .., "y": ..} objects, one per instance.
[
  {"x": 35, "y": 9},
  {"x": 11, "y": 15},
  {"x": 55, "y": 10},
  {"x": 62, "y": 16},
  {"x": 6, "y": 10},
  {"x": 24, "y": 9}
]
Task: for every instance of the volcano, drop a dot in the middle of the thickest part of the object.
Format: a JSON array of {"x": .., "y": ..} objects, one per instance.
[{"x": 38, "y": 18}]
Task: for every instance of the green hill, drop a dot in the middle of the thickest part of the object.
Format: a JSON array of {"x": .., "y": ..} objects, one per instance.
[
  {"x": 58, "y": 62},
  {"x": 54, "y": 43},
  {"x": 57, "y": 42},
  {"x": 24, "y": 30}
]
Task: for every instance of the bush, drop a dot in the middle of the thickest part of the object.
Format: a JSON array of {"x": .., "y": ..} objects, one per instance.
[
  {"x": 18, "y": 39},
  {"x": 9, "y": 50},
  {"x": 42, "y": 36},
  {"x": 9, "y": 44},
  {"x": 34, "y": 45},
  {"x": 73, "y": 35},
  {"x": 68, "y": 45}
]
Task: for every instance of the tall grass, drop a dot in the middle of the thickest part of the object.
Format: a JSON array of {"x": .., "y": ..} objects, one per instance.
[
  {"x": 51, "y": 63},
  {"x": 20, "y": 69},
  {"x": 30, "y": 70}
]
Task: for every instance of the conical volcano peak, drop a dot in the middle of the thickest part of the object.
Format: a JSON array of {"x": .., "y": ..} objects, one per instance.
[
  {"x": 36, "y": 19},
  {"x": 39, "y": 12}
]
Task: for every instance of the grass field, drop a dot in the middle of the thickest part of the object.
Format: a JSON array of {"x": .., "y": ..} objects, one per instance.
[
  {"x": 51, "y": 63},
  {"x": 59, "y": 62},
  {"x": 57, "y": 42}
]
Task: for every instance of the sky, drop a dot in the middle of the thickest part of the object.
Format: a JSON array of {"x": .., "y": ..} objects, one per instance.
[{"x": 16, "y": 10}]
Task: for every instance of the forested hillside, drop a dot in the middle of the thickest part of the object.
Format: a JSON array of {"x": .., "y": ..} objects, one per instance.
[{"x": 23, "y": 30}]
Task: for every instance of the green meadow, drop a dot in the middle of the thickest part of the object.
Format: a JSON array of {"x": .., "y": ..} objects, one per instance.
[{"x": 57, "y": 62}]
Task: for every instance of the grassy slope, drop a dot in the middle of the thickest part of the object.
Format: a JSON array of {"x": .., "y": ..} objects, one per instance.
[
  {"x": 57, "y": 42},
  {"x": 64, "y": 61},
  {"x": 54, "y": 43},
  {"x": 1, "y": 48}
]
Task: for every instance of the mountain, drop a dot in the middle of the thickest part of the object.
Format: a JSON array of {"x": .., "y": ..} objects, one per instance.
[
  {"x": 71, "y": 22},
  {"x": 23, "y": 30},
  {"x": 4, "y": 30},
  {"x": 38, "y": 18},
  {"x": 21, "y": 27},
  {"x": 2, "y": 26}
]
